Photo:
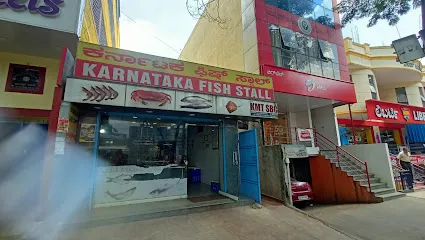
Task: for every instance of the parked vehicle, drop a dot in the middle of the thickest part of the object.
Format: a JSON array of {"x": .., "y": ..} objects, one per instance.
[{"x": 302, "y": 194}]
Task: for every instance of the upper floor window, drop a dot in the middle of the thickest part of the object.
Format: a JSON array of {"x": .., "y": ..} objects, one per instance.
[
  {"x": 401, "y": 95},
  {"x": 421, "y": 92},
  {"x": 372, "y": 87},
  {"x": 303, "y": 53},
  {"x": 316, "y": 10}
]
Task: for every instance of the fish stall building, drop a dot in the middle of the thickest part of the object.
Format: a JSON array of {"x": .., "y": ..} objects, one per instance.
[{"x": 160, "y": 129}]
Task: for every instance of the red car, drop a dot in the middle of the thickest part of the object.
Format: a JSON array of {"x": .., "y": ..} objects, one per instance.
[{"x": 301, "y": 192}]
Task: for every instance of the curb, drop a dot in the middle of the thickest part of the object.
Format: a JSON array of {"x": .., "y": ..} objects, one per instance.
[{"x": 325, "y": 223}]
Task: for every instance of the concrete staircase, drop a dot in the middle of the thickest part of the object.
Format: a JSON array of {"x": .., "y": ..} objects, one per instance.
[{"x": 353, "y": 169}]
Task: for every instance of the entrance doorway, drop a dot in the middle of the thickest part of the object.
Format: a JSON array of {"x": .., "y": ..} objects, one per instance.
[{"x": 204, "y": 163}]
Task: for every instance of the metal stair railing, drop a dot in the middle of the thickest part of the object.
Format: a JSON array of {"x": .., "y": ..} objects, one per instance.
[
  {"x": 341, "y": 154},
  {"x": 419, "y": 172}
]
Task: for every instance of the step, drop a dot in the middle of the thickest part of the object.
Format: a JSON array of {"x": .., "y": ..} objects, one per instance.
[
  {"x": 372, "y": 180},
  {"x": 382, "y": 191},
  {"x": 355, "y": 172},
  {"x": 375, "y": 185},
  {"x": 391, "y": 196},
  {"x": 362, "y": 176},
  {"x": 97, "y": 221},
  {"x": 351, "y": 168}
]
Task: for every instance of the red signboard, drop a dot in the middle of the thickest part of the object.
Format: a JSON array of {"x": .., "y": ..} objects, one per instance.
[
  {"x": 288, "y": 81},
  {"x": 394, "y": 112},
  {"x": 110, "y": 64}
]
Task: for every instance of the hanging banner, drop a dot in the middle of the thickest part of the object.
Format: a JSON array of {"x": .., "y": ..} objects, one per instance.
[{"x": 111, "y": 64}]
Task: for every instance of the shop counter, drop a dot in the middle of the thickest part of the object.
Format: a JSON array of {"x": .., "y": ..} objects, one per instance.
[{"x": 133, "y": 184}]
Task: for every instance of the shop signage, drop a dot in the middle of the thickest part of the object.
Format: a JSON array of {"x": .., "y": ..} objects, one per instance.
[
  {"x": 110, "y": 64},
  {"x": 92, "y": 92},
  {"x": 288, "y": 81},
  {"x": 49, "y": 8},
  {"x": 263, "y": 109},
  {"x": 233, "y": 106},
  {"x": 105, "y": 93},
  {"x": 294, "y": 151},
  {"x": 394, "y": 112},
  {"x": 304, "y": 25},
  {"x": 305, "y": 135},
  {"x": 276, "y": 132}
]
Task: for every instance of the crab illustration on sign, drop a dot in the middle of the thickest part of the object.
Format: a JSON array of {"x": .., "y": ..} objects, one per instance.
[
  {"x": 144, "y": 95},
  {"x": 99, "y": 93}
]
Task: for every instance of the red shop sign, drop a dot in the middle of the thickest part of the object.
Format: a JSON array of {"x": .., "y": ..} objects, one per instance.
[
  {"x": 288, "y": 81},
  {"x": 394, "y": 112}
]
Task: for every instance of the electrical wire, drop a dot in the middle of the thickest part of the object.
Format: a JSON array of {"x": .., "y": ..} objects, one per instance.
[{"x": 163, "y": 42}]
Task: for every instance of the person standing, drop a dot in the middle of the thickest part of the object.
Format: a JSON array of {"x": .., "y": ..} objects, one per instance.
[{"x": 404, "y": 158}]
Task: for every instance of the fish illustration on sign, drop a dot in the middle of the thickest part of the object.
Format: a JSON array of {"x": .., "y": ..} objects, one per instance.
[
  {"x": 121, "y": 179},
  {"x": 163, "y": 189},
  {"x": 143, "y": 95},
  {"x": 196, "y": 102},
  {"x": 99, "y": 93},
  {"x": 122, "y": 195}
]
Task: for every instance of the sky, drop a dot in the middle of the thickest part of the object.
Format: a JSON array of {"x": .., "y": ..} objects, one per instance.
[{"x": 163, "y": 27}]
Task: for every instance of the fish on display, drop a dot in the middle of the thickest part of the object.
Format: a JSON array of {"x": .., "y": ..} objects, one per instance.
[
  {"x": 196, "y": 102},
  {"x": 122, "y": 195},
  {"x": 121, "y": 179}
]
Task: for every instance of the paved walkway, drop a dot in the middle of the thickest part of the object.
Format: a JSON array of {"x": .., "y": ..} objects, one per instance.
[
  {"x": 270, "y": 222},
  {"x": 419, "y": 194},
  {"x": 402, "y": 218}
]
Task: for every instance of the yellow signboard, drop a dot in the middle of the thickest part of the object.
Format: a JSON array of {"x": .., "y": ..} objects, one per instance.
[{"x": 111, "y": 64}]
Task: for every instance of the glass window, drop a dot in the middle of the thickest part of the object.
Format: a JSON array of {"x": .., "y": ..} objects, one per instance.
[
  {"x": 302, "y": 43},
  {"x": 372, "y": 84},
  {"x": 288, "y": 38},
  {"x": 326, "y": 49},
  {"x": 325, "y": 3},
  {"x": 277, "y": 56},
  {"x": 335, "y": 52},
  {"x": 337, "y": 74},
  {"x": 328, "y": 18},
  {"x": 315, "y": 66},
  {"x": 401, "y": 95},
  {"x": 314, "y": 47},
  {"x": 303, "y": 64},
  {"x": 289, "y": 59},
  {"x": 327, "y": 68},
  {"x": 421, "y": 92},
  {"x": 272, "y": 2},
  {"x": 275, "y": 37},
  {"x": 283, "y": 4},
  {"x": 303, "y": 8},
  {"x": 319, "y": 12},
  {"x": 127, "y": 141}
]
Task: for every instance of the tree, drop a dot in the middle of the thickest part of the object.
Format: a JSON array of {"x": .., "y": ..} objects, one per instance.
[
  {"x": 208, "y": 9},
  {"x": 389, "y": 10}
]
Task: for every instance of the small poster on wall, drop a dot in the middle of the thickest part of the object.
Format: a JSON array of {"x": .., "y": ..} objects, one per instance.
[
  {"x": 87, "y": 132},
  {"x": 25, "y": 79}
]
